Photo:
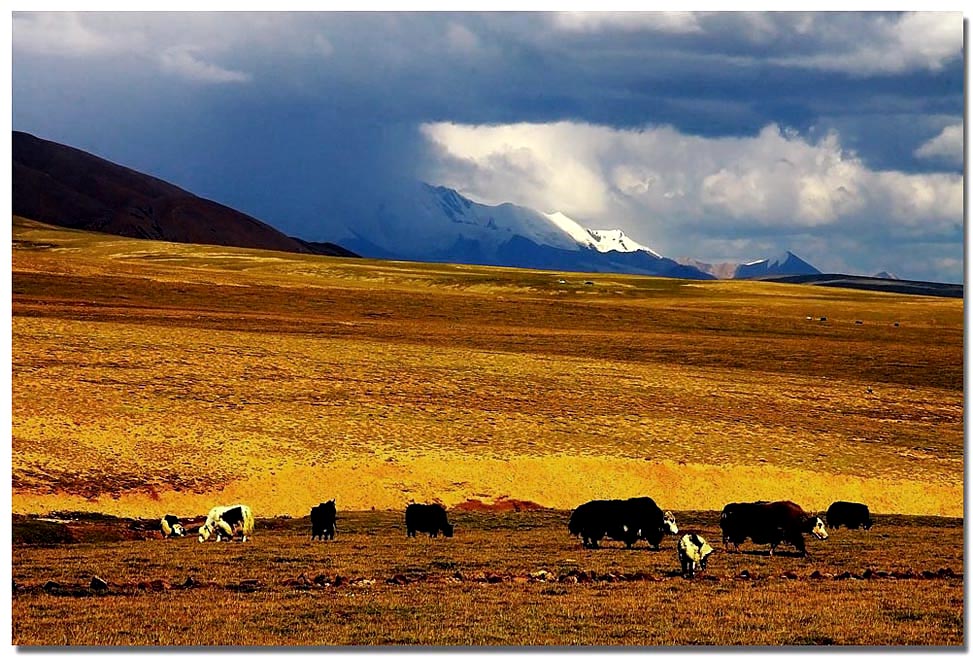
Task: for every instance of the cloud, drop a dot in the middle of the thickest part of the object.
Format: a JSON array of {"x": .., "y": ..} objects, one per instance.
[
  {"x": 674, "y": 22},
  {"x": 183, "y": 62},
  {"x": 322, "y": 45},
  {"x": 461, "y": 39},
  {"x": 947, "y": 146},
  {"x": 883, "y": 45},
  {"x": 334, "y": 98},
  {"x": 664, "y": 187},
  {"x": 65, "y": 34}
]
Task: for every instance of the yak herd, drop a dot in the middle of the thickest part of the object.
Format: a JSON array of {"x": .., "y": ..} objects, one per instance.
[{"x": 628, "y": 521}]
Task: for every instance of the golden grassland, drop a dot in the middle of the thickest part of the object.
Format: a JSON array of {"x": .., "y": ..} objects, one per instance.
[
  {"x": 252, "y": 594},
  {"x": 152, "y": 377}
]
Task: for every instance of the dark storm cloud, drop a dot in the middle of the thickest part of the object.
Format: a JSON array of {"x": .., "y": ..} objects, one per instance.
[{"x": 304, "y": 119}]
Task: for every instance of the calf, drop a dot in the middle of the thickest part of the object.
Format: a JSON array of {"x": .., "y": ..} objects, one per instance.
[
  {"x": 693, "y": 552},
  {"x": 171, "y": 527}
]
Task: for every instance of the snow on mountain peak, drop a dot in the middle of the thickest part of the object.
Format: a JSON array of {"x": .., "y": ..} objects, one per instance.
[
  {"x": 423, "y": 219},
  {"x": 616, "y": 240},
  {"x": 771, "y": 262},
  {"x": 600, "y": 240},
  {"x": 578, "y": 232}
]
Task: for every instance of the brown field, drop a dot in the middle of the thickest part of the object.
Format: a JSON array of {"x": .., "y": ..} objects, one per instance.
[
  {"x": 477, "y": 588},
  {"x": 150, "y": 377}
]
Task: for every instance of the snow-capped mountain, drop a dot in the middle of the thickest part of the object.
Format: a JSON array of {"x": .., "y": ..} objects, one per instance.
[
  {"x": 781, "y": 265},
  {"x": 784, "y": 264},
  {"x": 885, "y": 274},
  {"x": 440, "y": 225}
]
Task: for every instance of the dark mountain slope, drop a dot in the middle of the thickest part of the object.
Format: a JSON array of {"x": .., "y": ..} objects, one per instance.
[{"x": 65, "y": 186}]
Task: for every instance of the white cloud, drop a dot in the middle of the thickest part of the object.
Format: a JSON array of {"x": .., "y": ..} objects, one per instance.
[
  {"x": 461, "y": 39},
  {"x": 658, "y": 182},
  {"x": 946, "y": 146},
  {"x": 676, "y": 22},
  {"x": 65, "y": 34},
  {"x": 883, "y": 45},
  {"x": 176, "y": 43},
  {"x": 182, "y": 61},
  {"x": 321, "y": 45}
]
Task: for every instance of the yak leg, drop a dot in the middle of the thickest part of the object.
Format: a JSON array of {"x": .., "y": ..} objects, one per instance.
[{"x": 798, "y": 541}]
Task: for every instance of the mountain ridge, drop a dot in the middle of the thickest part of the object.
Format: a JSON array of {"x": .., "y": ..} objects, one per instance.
[
  {"x": 784, "y": 264},
  {"x": 66, "y": 186},
  {"x": 438, "y": 224}
]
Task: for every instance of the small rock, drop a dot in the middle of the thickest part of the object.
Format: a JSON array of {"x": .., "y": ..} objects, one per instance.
[
  {"x": 302, "y": 580},
  {"x": 541, "y": 575},
  {"x": 98, "y": 584},
  {"x": 494, "y": 578},
  {"x": 189, "y": 583},
  {"x": 816, "y": 575},
  {"x": 322, "y": 580},
  {"x": 868, "y": 574},
  {"x": 568, "y": 579},
  {"x": 340, "y": 580},
  {"x": 844, "y": 575},
  {"x": 790, "y": 574},
  {"x": 398, "y": 578},
  {"x": 51, "y": 585}
]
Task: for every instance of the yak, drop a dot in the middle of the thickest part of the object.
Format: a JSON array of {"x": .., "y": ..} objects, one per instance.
[
  {"x": 622, "y": 520},
  {"x": 769, "y": 522}
]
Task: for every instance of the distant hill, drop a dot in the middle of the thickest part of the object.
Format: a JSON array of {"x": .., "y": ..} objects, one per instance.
[
  {"x": 786, "y": 263},
  {"x": 65, "y": 186},
  {"x": 875, "y": 284}
]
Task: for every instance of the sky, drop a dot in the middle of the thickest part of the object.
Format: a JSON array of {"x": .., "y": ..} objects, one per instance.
[{"x": 720, "y": 136}]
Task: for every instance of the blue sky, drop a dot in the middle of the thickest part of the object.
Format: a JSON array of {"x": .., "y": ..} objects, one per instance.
[{"x": 721, "y": 136}]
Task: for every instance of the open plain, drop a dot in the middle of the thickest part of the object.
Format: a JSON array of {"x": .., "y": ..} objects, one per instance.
[{"x": 152, "y": 378}]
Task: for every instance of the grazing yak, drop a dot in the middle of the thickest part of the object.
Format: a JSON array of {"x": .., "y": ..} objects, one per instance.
[
  {"x": 622, "y": 520},
  {"x": 171, "y": 527},
  {"x": 225, "y": 521},
  {"x": 850, "y": 514},
  {"x": 429, "y": 518},
  {"x": 769, "y": 522},
  {"x": 323, "y": 517},
  {"x": 693, "y": 552}
]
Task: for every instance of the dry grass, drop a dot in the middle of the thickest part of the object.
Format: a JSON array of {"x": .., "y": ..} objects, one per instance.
[
  {"x": 442, "y": 609},
  {"x": 152, "y": 377}
]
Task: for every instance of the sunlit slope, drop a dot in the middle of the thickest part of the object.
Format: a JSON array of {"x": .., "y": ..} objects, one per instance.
[{"x": 151, "y": 377}]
